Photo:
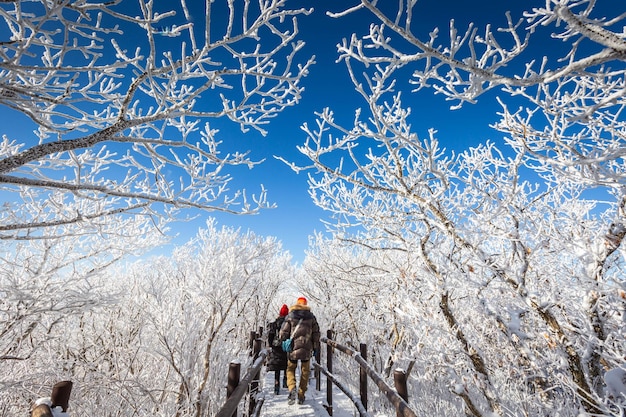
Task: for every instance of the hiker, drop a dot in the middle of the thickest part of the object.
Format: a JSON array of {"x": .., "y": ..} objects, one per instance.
[
  {"x": 278, "y": 358},
  {"x": 301, "y": 327}
]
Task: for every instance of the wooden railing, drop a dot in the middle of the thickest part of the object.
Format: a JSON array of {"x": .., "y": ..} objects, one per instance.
[
  {"x": 249, "y": 384},
  {"x": 398, "y": 397},
  {"x": 60, "y": 397},
  {"x": 237, "y": 388}
]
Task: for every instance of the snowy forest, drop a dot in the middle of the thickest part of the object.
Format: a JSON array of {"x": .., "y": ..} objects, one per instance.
[{"x": 496, "y": 271}]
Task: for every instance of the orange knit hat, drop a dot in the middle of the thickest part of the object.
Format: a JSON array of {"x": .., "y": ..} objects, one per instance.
[{"x": 301, "y": 301}]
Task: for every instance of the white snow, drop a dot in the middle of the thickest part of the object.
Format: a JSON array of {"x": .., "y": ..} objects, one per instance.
[
  {"x": 56, "y": 411},
  {"x": 615, "y": 380},
  {"x": 458, "y": 389},
  {"x": 276, "y": 405}
]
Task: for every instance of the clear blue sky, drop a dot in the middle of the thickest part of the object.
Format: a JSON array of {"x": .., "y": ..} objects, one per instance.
[{"x": 328, "y": 85}]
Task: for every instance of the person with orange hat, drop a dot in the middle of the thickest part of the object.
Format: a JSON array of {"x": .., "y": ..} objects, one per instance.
[
  {"x": 277, "y": 358},
  {"x": 302, "y": 329}
]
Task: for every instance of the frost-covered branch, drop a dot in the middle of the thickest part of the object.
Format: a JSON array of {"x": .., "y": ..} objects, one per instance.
[
  {"x": 473, "y": 63},
  {"x": 125, "y": 99},
  {"x": 510, "y": 236}
]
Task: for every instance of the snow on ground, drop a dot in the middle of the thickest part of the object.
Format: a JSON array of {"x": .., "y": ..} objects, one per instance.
[{"x": 276, "y": 405}]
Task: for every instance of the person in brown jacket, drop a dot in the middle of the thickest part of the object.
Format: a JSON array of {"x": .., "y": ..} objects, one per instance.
[{"x": 301, "y": 326}]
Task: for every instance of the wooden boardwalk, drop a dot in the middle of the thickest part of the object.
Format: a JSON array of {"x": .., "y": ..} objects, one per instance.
[{"x": 276, "y": 405}]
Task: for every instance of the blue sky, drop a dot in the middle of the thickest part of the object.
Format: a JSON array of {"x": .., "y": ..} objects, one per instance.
[{"x": 328, "y": 85}]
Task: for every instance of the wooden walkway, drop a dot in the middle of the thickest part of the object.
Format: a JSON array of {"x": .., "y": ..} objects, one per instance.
[{"x": 276, "y": 405}]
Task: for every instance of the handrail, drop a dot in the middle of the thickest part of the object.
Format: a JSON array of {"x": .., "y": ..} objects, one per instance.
[
  {"x": 61, "y": 391},
  {"x": 401, "y": 406},
  {"x": 237, "y": 388},
  {"x": 231, "y": 404},
  {"x": 357, "y": 402}
]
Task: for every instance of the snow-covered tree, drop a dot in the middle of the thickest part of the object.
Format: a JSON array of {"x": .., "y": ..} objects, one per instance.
[
  {"x": 46, "y": 286},
  {"x": 122, "y": 95},
  {"x": 499, "y": 246},
  {"x": 124, "y": 101},
  {"x": 163, "y": 332}
]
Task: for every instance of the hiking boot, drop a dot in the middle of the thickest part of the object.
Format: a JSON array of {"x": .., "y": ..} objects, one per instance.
[
  {"x": 291, "y": 399},
  {"x": 301, "y": 400},
  {"x": 276, "y": 389}
]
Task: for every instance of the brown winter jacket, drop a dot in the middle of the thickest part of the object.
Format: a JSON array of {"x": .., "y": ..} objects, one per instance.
[{"x": 301, "y": 325}]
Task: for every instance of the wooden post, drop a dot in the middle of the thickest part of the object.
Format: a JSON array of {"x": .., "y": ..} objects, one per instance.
[
  {"x": 363, "y": 377},
  {"x": 256, "y": 347},
  {"x": 60, "y": 398},
  {"x": 329, "y": 366},
  {"x": 234, "y": 372},
  {"x": 392, "y": 395},
  {"x": 399, "y": 381},
  {"x": 61, "y": 394},
  {"x": 318, "y": 373},
  {"x": 230, "y": 406},
  {"x": 252, "y": 339},
  {"x": 254, "y": 384}
]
